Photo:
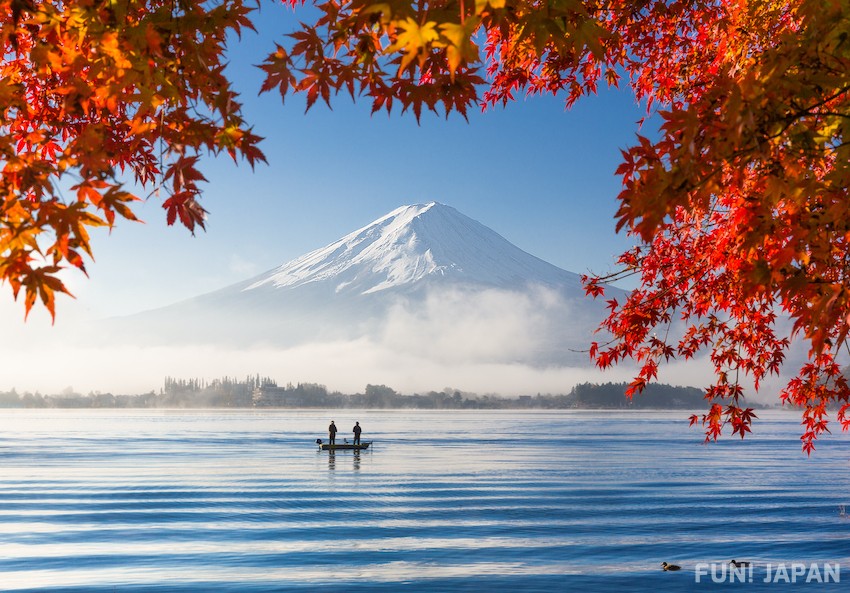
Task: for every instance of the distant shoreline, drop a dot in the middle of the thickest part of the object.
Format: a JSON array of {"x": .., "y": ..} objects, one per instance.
[{"x": 264, "y": 393}]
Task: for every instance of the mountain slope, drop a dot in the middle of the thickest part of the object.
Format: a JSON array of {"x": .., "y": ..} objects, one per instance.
[{"x": 423, "y": 279}]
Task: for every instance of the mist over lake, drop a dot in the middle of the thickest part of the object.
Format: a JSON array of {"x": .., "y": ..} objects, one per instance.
[{"x": 165, "y": 500}]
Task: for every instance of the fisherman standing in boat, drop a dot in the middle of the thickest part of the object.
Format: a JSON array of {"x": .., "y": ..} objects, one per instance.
[
  {"x": 332, "y": 433},
  {"x": 357, "y": 431}
]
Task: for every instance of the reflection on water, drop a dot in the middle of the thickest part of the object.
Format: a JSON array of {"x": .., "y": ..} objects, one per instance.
[
  {"x": 242, "y": 501},
  {"x": 332, "y": 458}
]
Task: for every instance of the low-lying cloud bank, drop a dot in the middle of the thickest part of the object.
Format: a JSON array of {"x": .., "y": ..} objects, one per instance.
[{"x": 485, "y": 341}]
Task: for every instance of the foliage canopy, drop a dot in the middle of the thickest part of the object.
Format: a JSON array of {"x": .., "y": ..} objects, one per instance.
[{"x": 738, "y": 203}]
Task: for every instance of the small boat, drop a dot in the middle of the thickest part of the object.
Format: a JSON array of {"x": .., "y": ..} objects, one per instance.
[{"x": 344, "y": 446}]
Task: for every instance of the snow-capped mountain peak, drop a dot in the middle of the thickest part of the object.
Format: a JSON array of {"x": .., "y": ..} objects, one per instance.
[{"x": 411, "y": 244}]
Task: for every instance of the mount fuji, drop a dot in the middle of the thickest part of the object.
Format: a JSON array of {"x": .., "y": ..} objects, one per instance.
[
  {"x": 413, "y": 245},
  {"x": 424, "y": 279}
]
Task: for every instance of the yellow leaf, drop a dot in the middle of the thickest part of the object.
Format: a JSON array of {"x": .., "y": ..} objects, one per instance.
[
  {"x": 413, "y": 40},
  {"x": 460, "y": 47},
  {"x": 481, "y": 5}
]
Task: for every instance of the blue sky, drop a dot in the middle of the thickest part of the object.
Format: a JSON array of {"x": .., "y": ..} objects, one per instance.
[{"x": 538, "y": 174}]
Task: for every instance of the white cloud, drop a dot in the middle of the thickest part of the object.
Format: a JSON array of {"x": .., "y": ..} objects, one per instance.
[
  {"x": 469, "y": 342},
  {"x": 483, "y": 326},
  {"x": 482, "y": 342}
]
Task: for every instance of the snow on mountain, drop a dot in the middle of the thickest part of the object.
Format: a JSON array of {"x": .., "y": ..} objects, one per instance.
[{"x": 413, "y": 243}]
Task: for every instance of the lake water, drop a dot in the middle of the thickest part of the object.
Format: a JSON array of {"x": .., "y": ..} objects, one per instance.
[{"x": 211, "y": 501}]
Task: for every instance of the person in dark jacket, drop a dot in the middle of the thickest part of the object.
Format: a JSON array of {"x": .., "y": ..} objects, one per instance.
[
  {"x": 332, "y": 433},
  {"x": 357, "y": 431}
]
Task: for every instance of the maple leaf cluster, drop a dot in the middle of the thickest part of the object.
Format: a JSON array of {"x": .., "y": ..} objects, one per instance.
[
  {"x": 741, "y": 209},
  {"x": 94, "y": 90}
]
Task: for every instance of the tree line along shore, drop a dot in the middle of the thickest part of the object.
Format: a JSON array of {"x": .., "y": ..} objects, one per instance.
[{"x": 263, "y": 392}]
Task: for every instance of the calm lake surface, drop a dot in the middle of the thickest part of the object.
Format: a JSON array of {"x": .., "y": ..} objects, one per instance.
[{"x": 210, "y": 501}]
